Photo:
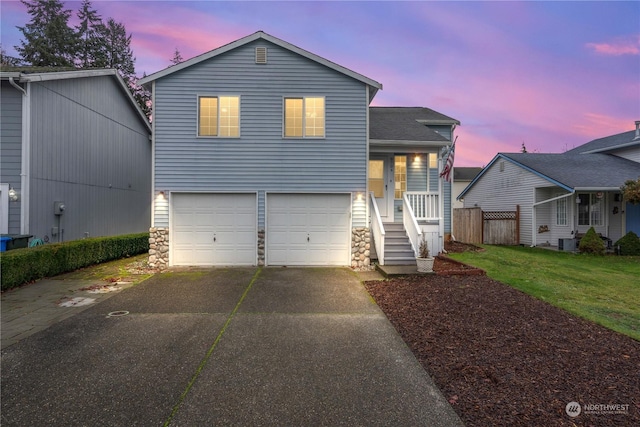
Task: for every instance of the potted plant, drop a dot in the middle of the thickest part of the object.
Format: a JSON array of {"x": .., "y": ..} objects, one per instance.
[{"x": 424, "y": 260}]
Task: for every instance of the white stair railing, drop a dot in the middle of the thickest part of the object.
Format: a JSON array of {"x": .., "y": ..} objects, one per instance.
[
  {"x": 411, "y": 224},
  {"x": 377, "y": 229},
  {"x": 425, "y": 206}
]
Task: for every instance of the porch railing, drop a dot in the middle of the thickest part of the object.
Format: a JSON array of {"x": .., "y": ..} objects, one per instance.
[
  {"x": 411, "y": 223},
  {"x": 377, "y": 229},
  {"x": 425, "y": 206}
]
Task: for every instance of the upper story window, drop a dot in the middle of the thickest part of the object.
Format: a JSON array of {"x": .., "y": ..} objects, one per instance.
[
  {"x": 304, "y": 117},
  {"x": 219, "y": 116}
]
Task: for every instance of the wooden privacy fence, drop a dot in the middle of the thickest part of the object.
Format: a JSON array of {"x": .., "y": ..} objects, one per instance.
[
  {"x": 467, "y": 225},
  {"x": 472, "y": 225}
]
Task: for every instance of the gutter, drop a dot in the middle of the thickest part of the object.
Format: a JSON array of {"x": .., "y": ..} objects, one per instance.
[{"x": 534, "y": 235}]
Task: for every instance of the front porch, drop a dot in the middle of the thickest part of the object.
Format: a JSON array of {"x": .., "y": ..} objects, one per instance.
[
  {"x": 561, "y": 219},
  {"x": 397, "y": 243}
]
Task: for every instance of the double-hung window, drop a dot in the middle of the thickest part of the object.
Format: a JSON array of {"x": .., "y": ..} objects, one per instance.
[
  {"x": 304, "y": 117},
  {"x": 561, "y": 211},
  {"x": 219, "y": 116}
]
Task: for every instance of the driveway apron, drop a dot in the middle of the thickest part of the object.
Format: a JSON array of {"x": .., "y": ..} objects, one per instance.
[{"x": 241, "y": 346}]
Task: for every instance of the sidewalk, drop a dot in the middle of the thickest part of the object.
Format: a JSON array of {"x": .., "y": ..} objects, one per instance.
[{"x": 36, "y": 306}]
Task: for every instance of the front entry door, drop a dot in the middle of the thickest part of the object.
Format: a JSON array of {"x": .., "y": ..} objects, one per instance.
[
  {"x": 633, "y": 218},
  {"x": 381, "y": 184}
]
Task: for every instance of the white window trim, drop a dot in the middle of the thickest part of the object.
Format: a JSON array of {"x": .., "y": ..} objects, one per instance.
[
  {"x": 218, "y": 96},
  {"x": 566, "y": 210},
  {"x": 304, "y": 117},
  {"x": 603, "y": 210}
]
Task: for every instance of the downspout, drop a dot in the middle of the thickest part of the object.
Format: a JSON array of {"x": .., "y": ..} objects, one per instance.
[
  {"x": 26, "y": 155},
  {"x": 153, "y": 154},
  {"x": 366, "y": 168},
  {"x": 441, "y": 199}
]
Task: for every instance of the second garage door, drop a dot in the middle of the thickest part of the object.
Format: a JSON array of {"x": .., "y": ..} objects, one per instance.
[
  {"x": 308, "y": 229},
  {"x": 213, "y": 229}
]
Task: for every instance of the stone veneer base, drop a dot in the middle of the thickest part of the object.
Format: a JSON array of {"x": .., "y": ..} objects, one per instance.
[{"x": 159, "y": 247}]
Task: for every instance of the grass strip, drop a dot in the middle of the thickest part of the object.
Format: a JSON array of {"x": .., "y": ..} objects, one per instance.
[
  {"x": 602, "y": 289},
  {"x": 204, "y": 361}
]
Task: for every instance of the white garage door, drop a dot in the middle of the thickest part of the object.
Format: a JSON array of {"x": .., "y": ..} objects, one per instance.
[
  {"x": 213, "y": 229},
  {"x": 308, "y": 229}
]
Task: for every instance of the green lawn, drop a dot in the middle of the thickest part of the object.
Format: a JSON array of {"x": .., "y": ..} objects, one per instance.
[{"x": 605, "y": 290}]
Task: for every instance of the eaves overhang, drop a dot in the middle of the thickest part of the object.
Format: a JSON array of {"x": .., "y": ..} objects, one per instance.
[{"x": 502, "y": 156}]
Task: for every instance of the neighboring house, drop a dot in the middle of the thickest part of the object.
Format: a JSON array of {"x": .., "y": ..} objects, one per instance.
[
  {"x": 75, "y": 156},
  {"x": 462, "y": 176},
  {"x": 563, "y": 195},
  {"x": 265, "y": 154}
]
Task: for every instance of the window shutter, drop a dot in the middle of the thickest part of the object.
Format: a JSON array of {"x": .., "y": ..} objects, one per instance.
[{"x": 261, "y": 55}]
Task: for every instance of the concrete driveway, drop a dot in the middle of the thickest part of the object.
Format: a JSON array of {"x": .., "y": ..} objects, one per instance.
[{"x": 241, "y": 346}]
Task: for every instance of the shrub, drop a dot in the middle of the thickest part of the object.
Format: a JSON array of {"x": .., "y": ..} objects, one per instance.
[
  {"x": 591, "y": 243},
  {"x": 21, "y": 266},
  {"x": 629, "y": 244}
]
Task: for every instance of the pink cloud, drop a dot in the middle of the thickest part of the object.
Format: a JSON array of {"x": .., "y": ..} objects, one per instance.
[{"x": 619, "y": 47}]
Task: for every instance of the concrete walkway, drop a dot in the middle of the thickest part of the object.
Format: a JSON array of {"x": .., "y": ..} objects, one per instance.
[{"x": 243, "y": 346}]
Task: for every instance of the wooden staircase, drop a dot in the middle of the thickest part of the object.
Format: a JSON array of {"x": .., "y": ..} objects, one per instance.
[{"x": 397, "y": 247}]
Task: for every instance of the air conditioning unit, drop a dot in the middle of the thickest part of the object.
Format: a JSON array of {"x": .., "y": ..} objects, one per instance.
[{"x": 568, "y": 245}]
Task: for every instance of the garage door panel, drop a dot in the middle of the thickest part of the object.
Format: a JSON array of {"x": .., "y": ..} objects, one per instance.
[
  {"x": 213, "y": 229},
  {"x": 308, "y": 229}
]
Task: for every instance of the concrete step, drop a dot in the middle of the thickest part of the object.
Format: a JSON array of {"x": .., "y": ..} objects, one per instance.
[{"x": 400, "y": 260}]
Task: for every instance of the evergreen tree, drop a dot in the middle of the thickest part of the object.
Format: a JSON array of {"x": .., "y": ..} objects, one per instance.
[
  {"x": 177, "y": 57},
  {"x": 6, "y": 60},
  {"x": 142, "y": 97},
  {"x": 48, "y": 39},
  {"x": 116, "y": 44},
  {"x": 90, "y": 51}
]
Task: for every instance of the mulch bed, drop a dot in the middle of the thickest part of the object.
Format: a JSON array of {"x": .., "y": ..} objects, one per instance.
[{"x": 503, "y": 358}]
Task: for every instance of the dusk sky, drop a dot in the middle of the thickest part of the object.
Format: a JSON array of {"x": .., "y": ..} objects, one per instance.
[{"x": 551, "y": 75}]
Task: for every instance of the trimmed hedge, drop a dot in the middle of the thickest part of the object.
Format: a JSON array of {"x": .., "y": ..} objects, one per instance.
[
  {"x": 21, "y": 266},
  {"x": 629, "y": 244},
  {"x": 591, "y": 243}
]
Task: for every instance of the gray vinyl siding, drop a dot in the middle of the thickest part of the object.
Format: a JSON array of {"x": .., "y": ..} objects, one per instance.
[
  {"x": 502, "y": 191},
  {"x": 90, "y": 150},
  {"x": 446, "y": 189},
  {"x": 632, "y": 153},
  {"x": 444, "y": 130},
  {"x": 260, "y": 159},
  {"x": 11, "y": 148}
]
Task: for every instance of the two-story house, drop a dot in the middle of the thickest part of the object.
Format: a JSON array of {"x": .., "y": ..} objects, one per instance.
[
  {"x": 267, "y": 154},
  {"x": 75, "y": 155}
]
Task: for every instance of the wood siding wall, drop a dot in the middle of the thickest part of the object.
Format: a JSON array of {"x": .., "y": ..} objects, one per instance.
[
  {"x": 502, "y": 190},
  {"x": 11, "y": 148},
  {"x": 91, "y": 150},
  {"x": 260, "y": 159}
]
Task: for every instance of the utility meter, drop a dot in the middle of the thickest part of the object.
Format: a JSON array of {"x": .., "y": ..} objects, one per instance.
[{"x": 58, "y": 208}]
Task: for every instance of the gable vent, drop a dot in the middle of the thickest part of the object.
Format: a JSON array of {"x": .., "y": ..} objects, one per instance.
[{"x": 261, "y": 55}]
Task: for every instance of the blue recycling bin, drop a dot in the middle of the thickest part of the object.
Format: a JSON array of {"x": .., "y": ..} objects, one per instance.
[{"x": 3, "y": 243}]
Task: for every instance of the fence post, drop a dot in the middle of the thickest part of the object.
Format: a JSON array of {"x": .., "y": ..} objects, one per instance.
[{"x": 518, "y": 225}]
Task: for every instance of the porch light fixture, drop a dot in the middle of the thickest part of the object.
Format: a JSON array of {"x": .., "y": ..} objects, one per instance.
[
  {"x": 13, "y": 194},
  {"x": 359, "y": 196},
  {"x": 416, "y": 159}
]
